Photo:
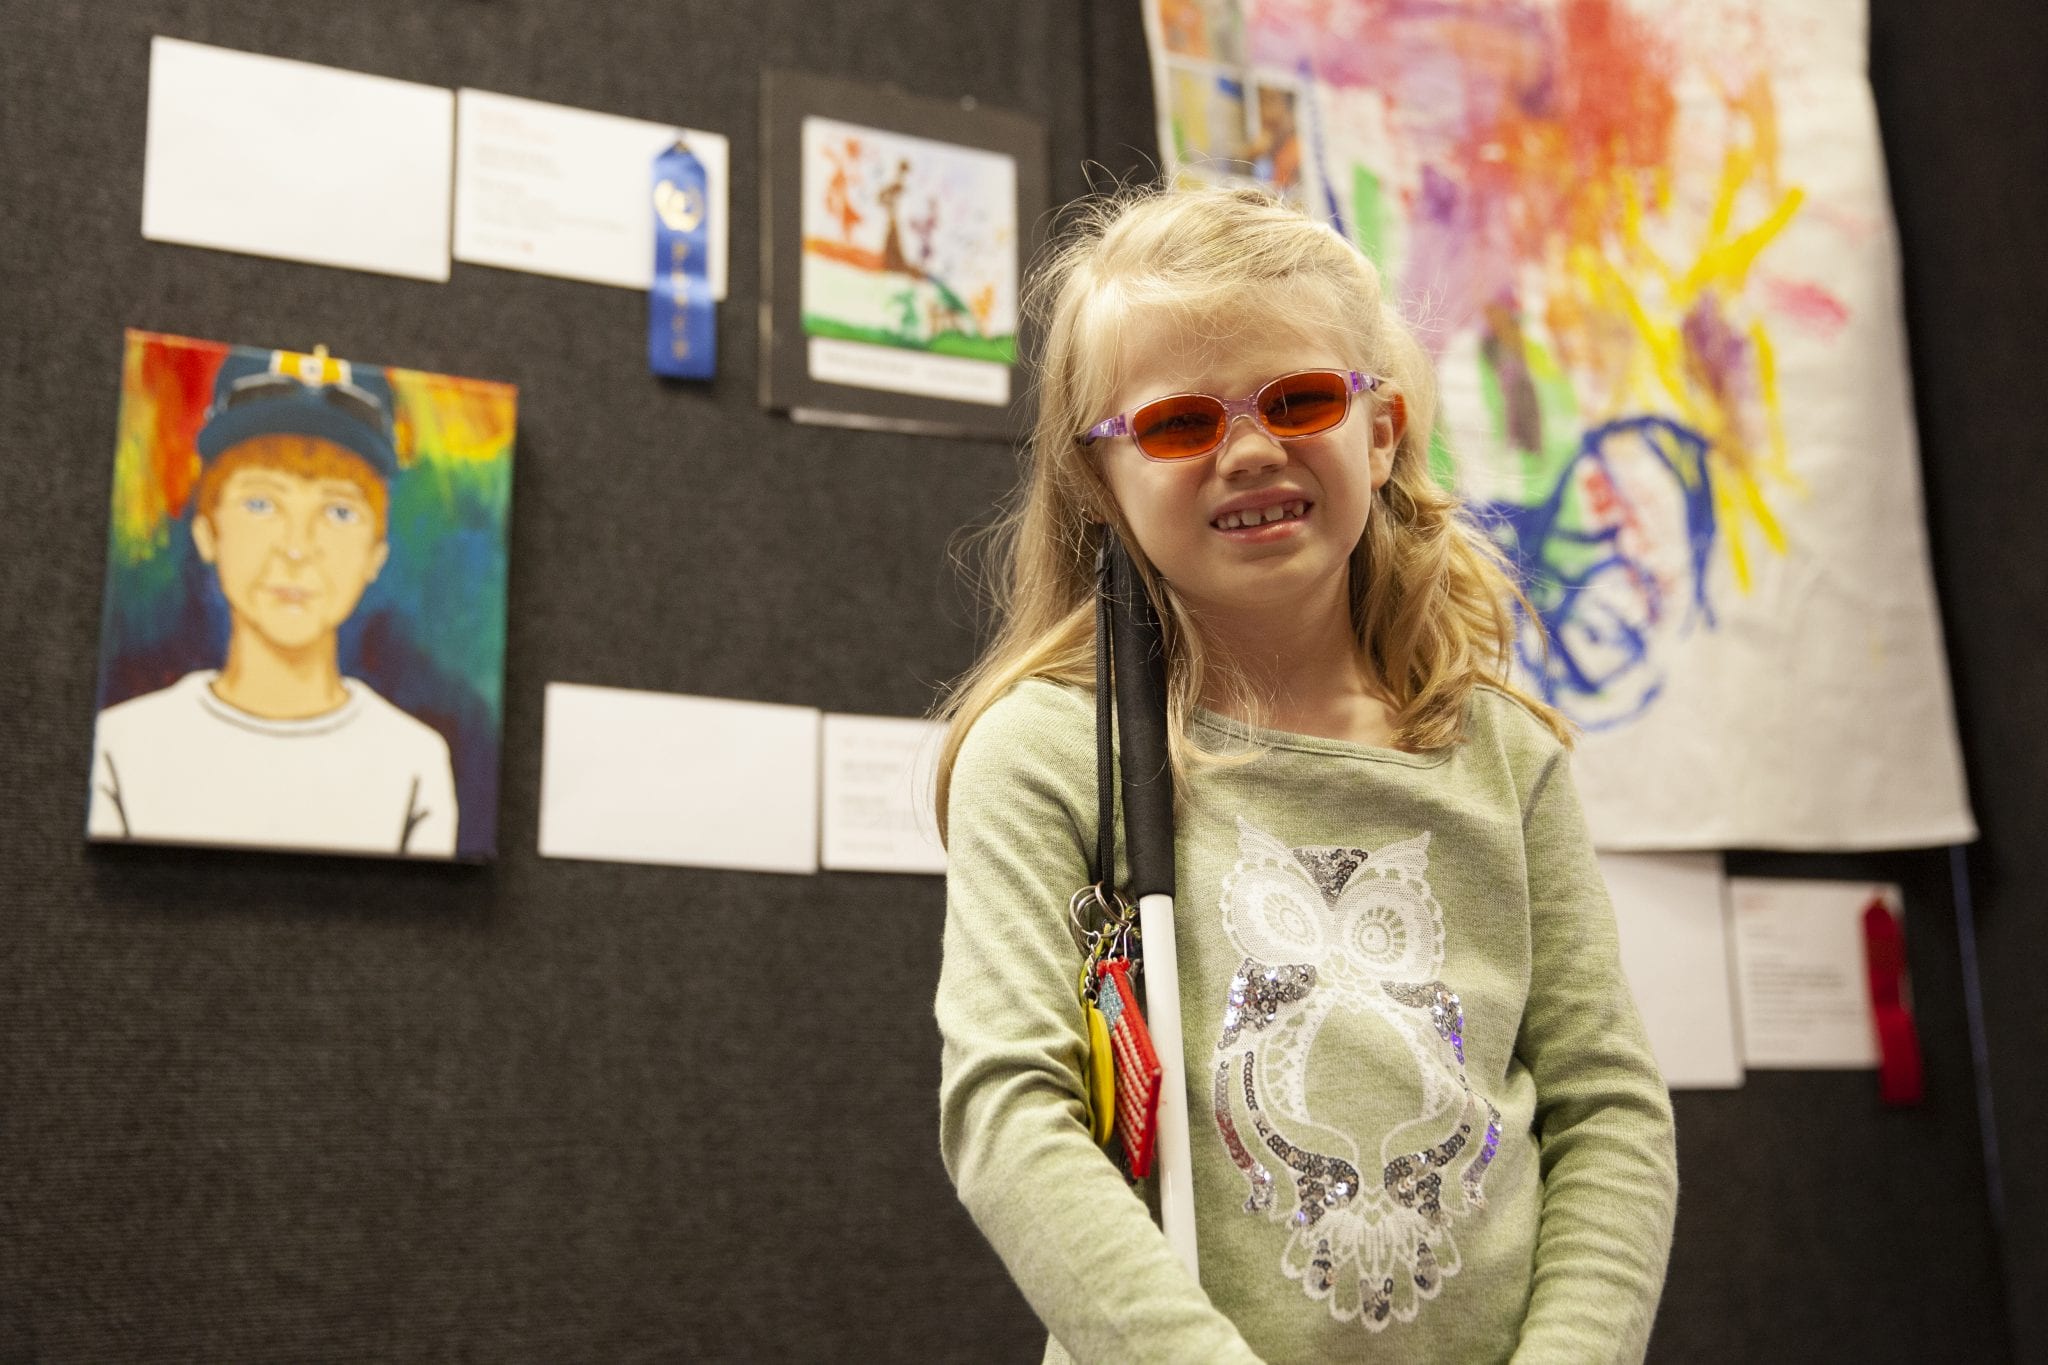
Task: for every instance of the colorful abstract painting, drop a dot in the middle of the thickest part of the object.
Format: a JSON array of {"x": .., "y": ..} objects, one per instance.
[
  {"x": 909, "y": 245},
  {"x": 1650, "y": 249},
  {"x": 304, "y": 632}
]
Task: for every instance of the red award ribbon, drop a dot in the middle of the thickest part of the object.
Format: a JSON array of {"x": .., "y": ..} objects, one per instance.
[{"x": 1899, "y": 1079}]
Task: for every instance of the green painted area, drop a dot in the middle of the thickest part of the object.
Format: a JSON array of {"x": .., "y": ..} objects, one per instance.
[
  {"x": 1368, "y": 213},
  {"x": 1557, "y": 409},
  {"x": 1443, "y": 468},
  {"x": 1537, "y": 472},
  {"x": 1002, "y": 350}
]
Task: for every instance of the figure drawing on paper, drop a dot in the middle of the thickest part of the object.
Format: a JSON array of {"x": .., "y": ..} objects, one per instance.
[
  {"x": 290, "y": 517},
  {"x": 908, "y": 243}
]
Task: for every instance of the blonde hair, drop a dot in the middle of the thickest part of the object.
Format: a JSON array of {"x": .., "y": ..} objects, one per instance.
[{"x": 1432, "y": 601}]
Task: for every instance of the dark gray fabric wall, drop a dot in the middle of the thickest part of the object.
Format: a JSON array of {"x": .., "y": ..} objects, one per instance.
[
  {"x": 264, "y": 1108},
  {"x": 1966, "y": 137}
]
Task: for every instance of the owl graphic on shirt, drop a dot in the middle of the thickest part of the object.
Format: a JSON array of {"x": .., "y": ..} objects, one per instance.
[{"x": 1324, "y": 932}]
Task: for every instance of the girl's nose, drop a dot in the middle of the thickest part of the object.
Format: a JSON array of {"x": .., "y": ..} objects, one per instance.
[{"x": 1249, "y": 449}]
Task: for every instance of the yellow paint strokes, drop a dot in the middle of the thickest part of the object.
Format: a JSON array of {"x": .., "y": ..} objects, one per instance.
[
  {"x": 1767, "y": 382},
  {"x": 1735, "y": 167},
  {"x": 445, "y": 419},
  {"x": 1646, "y": 257},
  {"x": 1727, "y": 263},
  {"x": 1607, "y": 349},
  {"x": 1766, "y": 519},
  {"x": 1722, "y": 259},
  {"x": 1657, "y": 345},
  {"x": 1726, "y": 503}
]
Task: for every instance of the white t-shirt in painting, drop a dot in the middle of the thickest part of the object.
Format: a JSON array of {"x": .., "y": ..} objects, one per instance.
[{"x": 182, "y": 766}]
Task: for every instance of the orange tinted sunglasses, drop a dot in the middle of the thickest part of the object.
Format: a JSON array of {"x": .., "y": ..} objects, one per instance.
[{"x": 1187, "y": 426}]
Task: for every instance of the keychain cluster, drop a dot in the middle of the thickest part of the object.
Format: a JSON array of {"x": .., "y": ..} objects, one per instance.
[{"x": 1123, "y": 1068}]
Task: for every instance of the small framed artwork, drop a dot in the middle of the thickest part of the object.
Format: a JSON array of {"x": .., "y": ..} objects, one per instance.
[
  {"x": 896, "y": 230},
  {"x": 303, "y": 641}
]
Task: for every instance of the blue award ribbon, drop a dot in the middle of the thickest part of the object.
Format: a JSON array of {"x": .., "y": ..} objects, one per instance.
[{"x": 682, "y": 326}]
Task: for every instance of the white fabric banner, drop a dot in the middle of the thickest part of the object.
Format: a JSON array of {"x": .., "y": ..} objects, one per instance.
[{"x": 1651, "y": 250}]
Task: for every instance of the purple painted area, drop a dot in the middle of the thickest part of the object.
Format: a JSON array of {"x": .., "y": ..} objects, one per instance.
[
  {"x": 1503, "y": 347},
  {"x": 1720, "y": 355},
  {"x": 1460, "y": 258}
]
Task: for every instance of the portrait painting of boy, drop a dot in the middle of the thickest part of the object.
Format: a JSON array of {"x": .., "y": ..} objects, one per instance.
[{"x": 304, "y": 633}]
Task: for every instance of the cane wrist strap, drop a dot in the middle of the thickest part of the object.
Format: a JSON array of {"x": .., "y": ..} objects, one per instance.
[{"x": 1105, "y": 741}]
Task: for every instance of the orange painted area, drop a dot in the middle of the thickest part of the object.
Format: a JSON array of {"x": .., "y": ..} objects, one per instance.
[
  {"x": 1618, "y": 103},
  {"x": 846, "y": 253},
  {"x": 166, "y": 384}
]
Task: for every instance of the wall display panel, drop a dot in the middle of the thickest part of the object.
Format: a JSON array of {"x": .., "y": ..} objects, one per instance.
[
  {"x": 896, "y": 229},
  {"x": 1650, "y": 248},
  {"x": 272, "y": 1108},
  {"x": 303, "y": 643}
]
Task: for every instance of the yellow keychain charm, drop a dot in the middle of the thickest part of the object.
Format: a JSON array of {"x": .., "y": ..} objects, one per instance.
[{"x": 1101, "y": 1075}]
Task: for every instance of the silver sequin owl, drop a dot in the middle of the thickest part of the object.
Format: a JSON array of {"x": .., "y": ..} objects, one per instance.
[{"x": 1322, "y": 932}]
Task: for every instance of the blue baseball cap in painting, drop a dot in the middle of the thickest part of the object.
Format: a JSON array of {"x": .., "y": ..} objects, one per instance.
[{"x": 262, "y": 393}]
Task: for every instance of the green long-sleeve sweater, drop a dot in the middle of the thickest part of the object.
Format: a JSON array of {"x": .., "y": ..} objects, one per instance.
[{"x": 1426, "y": 1124}]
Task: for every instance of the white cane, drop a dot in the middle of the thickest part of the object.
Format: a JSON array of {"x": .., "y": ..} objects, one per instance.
[{"x": 1147, "y": 783}]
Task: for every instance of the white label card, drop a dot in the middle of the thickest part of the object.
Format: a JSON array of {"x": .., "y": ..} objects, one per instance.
[
  {"x": 652, "y": 777},
  {"x": 1673, "y": 919},
  {"x": 302, "y": 162},
  {"x": 567, "y": 192},
  {"x": 1805, "y": 983},
  {"x": 878, "y": 795}
]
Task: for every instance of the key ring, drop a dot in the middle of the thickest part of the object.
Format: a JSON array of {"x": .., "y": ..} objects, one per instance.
[{"x": 1116, "y": 916}]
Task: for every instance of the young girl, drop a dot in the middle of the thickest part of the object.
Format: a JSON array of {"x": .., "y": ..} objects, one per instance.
[{"x": 1426, "y": 1125}]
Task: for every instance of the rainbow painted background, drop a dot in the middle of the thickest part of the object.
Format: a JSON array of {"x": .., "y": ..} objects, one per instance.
[{"x": 429, "y": 633}]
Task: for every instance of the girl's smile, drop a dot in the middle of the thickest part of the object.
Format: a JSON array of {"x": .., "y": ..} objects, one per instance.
[{"x": 1262, "y": 518}]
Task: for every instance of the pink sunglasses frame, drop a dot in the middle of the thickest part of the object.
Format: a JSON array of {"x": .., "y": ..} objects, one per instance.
[{"x": 1233, "y": 408}]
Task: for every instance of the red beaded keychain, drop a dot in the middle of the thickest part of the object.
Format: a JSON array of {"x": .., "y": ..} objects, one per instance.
[{"x": 1123, "y": 1067}]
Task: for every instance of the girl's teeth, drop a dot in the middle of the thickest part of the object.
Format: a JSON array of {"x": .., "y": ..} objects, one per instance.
[{"x": 1231, "y": 521}]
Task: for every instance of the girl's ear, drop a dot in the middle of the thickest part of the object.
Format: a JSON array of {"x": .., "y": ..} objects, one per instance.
[{"x": 1389, "y": 425}]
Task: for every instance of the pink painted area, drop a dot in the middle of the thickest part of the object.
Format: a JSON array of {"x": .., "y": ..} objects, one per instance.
[
  {"x": 1806, "y": 305},
  {"x": 1512, "y": 109},
  {"x": 1461, "y": 254},
  {"x": 1371, "y": 43}
]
